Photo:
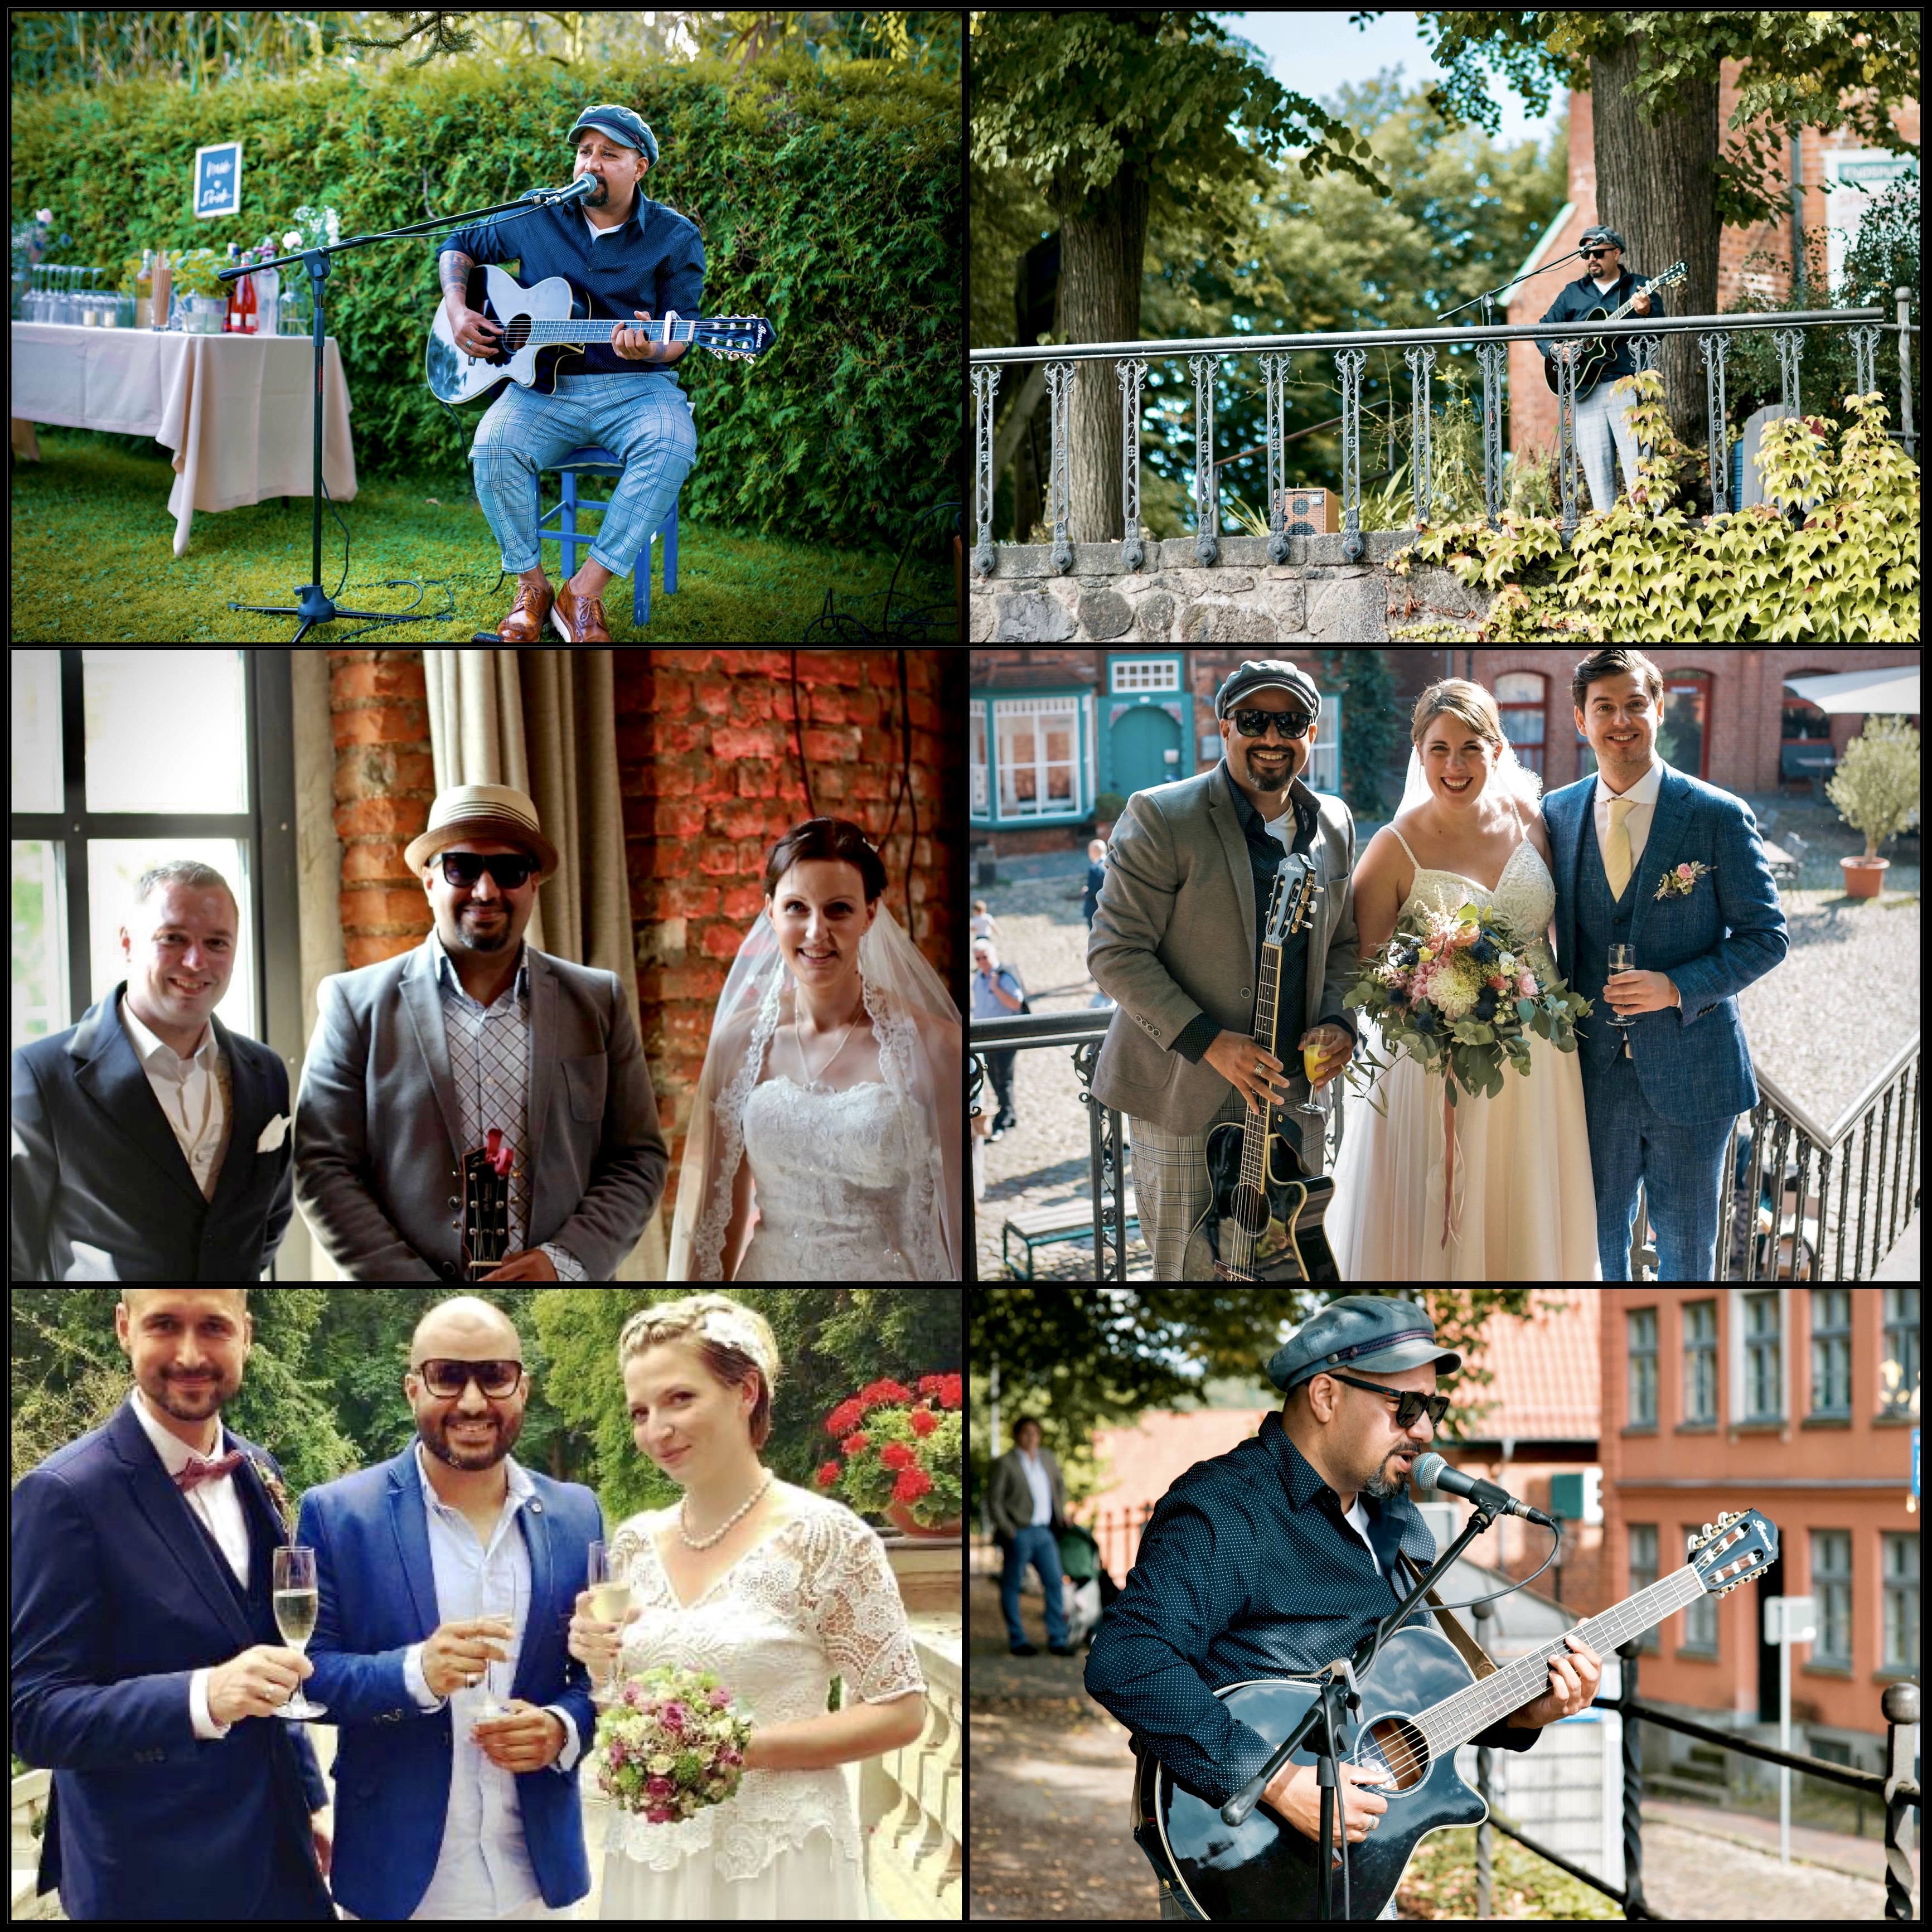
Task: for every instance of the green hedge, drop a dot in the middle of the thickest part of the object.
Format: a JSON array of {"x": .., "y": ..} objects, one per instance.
[{"x": 828, "y": 200}]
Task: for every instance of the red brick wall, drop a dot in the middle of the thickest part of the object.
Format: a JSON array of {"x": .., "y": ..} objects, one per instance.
[
  {"x": 709, "y": 779},
  {"x": 1532, "y": 420}
]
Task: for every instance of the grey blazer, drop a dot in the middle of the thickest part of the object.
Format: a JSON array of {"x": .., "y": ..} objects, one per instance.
[
  {"x": 377, "y": 1122},
  {"x": 1174, "y": 936},
  {"x": 1009, "y": 1495}
]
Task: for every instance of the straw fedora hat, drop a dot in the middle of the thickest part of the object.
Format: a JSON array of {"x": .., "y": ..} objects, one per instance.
[{"x": 499, "y": 813}]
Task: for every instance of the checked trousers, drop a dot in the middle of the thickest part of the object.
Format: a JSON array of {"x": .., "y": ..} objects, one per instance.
[{"x": 643, "y": 420}]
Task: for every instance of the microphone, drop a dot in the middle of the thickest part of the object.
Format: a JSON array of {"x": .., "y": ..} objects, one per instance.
[
  {"x": 1432, "y": 1473},
  {"x": 581, "y": 189}
]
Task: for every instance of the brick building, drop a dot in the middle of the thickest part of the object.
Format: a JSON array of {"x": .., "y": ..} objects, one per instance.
[
  {"x": 1828, "y": 156},
  {"x": 1801, "y": 1404},
  {"x": 1056, "y": 731}
]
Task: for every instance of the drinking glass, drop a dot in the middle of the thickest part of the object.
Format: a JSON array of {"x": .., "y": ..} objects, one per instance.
[
  {"x": 609, "y": 1600},
  {"x": 1311, "y": 1058},
  {"x": 1622, "y": 959},
  {"x": 297, "y": 1601},
  {"x": 497, "y": 1600}
]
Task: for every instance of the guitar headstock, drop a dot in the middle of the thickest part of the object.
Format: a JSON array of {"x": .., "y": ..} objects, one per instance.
[
  {"x": 1290, "y": 900},
  {"x": 1735, "y": 1547},
  {"x": 1670, "y": 278},
  {"x": 741, "y": 338}
]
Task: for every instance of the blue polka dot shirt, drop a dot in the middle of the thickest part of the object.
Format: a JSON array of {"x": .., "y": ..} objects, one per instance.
[{"x": 1248, "y": 1568}]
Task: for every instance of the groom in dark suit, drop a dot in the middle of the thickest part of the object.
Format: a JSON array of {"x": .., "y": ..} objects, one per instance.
[
  {"x": 1672, "y": 867},
  {"x": 146, "y": 1663}
]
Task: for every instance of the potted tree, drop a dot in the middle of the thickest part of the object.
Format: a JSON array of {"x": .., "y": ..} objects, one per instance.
[{"x": 1876, "y": 789}]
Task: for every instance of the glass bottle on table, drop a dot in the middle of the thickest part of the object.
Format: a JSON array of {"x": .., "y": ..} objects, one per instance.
[{"x": 245, "y": 304}]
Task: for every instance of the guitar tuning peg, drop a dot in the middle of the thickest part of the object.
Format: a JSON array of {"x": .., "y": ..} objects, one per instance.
[{"x": 1704, "y": 1534}]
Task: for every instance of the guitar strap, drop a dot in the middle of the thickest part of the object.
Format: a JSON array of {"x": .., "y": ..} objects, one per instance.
[{"x": 1467, "y": 1648}]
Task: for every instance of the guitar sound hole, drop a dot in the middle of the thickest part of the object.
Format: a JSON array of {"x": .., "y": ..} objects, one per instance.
[
  {"x": 1396, "y": 1745},
  {"x": 1249, "y": 1207}
]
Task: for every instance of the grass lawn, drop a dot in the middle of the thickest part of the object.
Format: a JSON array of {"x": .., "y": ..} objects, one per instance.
[{"x": 93, "y": 562}]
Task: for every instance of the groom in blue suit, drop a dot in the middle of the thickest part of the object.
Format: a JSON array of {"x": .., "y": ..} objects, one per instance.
[
  {"x": 1673, "y": 868},
  {"x": 146, "y": 1663},
  {"x": 440, "y": 1814}
]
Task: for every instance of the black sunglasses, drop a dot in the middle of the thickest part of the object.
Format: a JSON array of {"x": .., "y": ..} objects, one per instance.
[
  {"x": 1409, "y": 1403},
  {"x": 509, "y": 869},
  {"x": 1593, "y": 254},
  {"x": 444, "y": 1378},
  {"x": 1254, "y": 724}
]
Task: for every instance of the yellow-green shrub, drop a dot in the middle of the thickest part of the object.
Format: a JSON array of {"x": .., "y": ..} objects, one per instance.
[{"x": 1642, "y": 572}]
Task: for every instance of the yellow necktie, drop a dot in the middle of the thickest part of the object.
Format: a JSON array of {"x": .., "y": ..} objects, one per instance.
[{"x": 1616, "y": 848}]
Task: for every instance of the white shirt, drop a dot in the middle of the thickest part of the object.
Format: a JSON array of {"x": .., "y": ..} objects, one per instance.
[
  {"x": 1042, "y": 1489},
  {"x": 484, "y": 1870},
  {"x": 1642, "y": 797},
  {"x": 218, "y": 1504},
  {"x": 1357, "y": 1520},
  {"x": 193, "y": 1093}
]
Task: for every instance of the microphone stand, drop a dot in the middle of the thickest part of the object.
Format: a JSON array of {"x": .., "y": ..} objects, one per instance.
[
  {"x": 1487, "y": 297},
  {"x": 1324, "y": 1718},
  {"x": 316, "y": 607}
]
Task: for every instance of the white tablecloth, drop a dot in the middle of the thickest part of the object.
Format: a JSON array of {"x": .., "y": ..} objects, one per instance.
[{"x": 237, "y": 410}]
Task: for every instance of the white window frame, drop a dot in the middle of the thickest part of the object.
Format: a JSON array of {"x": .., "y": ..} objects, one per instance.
[
  {"x": 1043, "y": 806},
  {"x": 976, "y": 756},
  {"x": 1165, "y": 671}
]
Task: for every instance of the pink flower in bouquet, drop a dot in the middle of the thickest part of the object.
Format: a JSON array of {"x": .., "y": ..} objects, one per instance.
[
  {"x": 1526, "y": 984},
  {"x": 1684, "y": 873}
]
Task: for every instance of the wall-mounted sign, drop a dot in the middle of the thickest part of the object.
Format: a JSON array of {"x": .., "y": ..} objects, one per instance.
[{"x": 218, "y": 180}]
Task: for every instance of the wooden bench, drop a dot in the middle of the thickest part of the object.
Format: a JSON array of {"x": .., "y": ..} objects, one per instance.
[{"x": 1039, "y": 1227}]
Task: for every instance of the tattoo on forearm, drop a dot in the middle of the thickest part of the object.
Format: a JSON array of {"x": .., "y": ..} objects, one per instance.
[{"x": 454, "y": 268}]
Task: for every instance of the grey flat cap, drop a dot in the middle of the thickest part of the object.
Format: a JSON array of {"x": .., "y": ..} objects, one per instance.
[{"x": 1364, "y": 1334}]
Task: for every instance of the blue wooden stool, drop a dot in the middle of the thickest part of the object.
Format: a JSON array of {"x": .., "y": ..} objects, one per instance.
[{"x": 558, "y": 524}]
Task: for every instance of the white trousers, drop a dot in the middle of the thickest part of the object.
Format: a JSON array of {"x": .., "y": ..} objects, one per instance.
[{"x": 1602, "y": 415}]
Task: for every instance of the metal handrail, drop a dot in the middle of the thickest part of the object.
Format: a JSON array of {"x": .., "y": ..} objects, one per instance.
[
  {"x": 1350, "y": 348},
  {"x": 1350, "y": 338}
]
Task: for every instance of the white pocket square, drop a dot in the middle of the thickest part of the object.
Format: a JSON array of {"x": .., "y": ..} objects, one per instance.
[{"x": 273, "y": 1135}]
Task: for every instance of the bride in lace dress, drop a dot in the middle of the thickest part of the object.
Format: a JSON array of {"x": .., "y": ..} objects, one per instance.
[
  {"x": 1524, "y": 1204},
  {"x": 830, "y": 1103},
  {"x": 776, "y": 1589}
]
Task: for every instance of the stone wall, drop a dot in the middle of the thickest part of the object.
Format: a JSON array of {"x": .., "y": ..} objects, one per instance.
[{"x": 1316, "y": 597}]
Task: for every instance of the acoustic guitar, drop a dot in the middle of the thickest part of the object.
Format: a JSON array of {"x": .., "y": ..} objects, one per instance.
[
  {"x": 545, "y": 324},
  {"x": 1593, "y": 354},
  {"x": 1263, "y": 1219},
  {"x": 1420, "y": 1701}
]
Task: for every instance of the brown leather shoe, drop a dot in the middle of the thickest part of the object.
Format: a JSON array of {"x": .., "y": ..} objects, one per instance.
[
  {"x": 579, "y": 620},
  {"x": 528, "y": 615}
]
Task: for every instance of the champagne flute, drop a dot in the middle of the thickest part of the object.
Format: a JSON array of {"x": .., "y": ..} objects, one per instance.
[
  {"x": 1622, "y": 959},
  {"x": 1312, "y": 1057},
  {"x": 610, "y": 1599},
  {"x": 297, "y": 1602},
  {"x": 498, "y": 1673}
]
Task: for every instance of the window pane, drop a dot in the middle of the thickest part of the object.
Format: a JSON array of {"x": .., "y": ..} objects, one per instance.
[
  {"x": 35, "y": 681},
  {"x": 115, "y": 864},
  {"x": 39, "y": 941},
  {"x": 165, "y": 731}
]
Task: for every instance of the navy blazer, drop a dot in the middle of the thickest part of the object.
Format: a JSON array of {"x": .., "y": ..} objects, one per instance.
[
  {"x": 377, "y": 1582},
  {"x": 1692, "y": 1062},
  {"x": 101, "y": 1190},
  {"x": 119, "y": 1595}
]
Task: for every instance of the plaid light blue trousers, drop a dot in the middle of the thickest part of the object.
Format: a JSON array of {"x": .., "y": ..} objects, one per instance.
[
  {"x": 644, "y": 420},
  {"x": 1604, "y": 416}
]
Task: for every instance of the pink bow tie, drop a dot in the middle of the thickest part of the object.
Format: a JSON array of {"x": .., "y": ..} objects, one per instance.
[{"x": 199, "y": 1470}]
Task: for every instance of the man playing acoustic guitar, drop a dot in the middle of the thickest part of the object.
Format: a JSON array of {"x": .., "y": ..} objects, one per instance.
[
  {"x": 620, "y": 250},
  {"x": 1604, "y": 412},
  {"x": 1281, "y": 1555}
]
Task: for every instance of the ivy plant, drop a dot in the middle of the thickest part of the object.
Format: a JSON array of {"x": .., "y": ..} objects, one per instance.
[{"x": 1839, "y": 563}]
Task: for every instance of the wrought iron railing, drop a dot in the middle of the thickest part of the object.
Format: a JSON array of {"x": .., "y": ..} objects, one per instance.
[
  {"x": 1350, "y": 349},
  {"x": 1767, "y": 1229}
]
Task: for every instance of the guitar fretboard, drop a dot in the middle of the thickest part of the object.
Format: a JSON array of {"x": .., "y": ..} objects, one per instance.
[
  {"x": 577, "y": 330},
  {"x": 1472, "y": 1711}
]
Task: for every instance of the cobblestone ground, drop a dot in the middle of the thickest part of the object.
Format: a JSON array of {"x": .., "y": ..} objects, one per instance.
[{"x": 1821, "y": 1024}]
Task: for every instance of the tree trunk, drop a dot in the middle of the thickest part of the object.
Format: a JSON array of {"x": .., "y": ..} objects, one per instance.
[
  {"x": 1654, "y": 187},
  {"x": 1103, "y": 246}
]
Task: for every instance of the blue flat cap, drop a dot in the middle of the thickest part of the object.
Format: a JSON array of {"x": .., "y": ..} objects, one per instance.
[
  {"x": 629, "y": 130},
  {"x": 1365, "y": 1334}
]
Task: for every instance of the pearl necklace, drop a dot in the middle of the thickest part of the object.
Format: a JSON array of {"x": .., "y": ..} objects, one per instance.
[{"x": 705, "y": 1542}]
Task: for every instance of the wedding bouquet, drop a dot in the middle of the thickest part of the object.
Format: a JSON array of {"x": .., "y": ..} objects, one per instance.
[
  {"x": 671, "y": 1743},
  {"x": 1460, "y": 992}
]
